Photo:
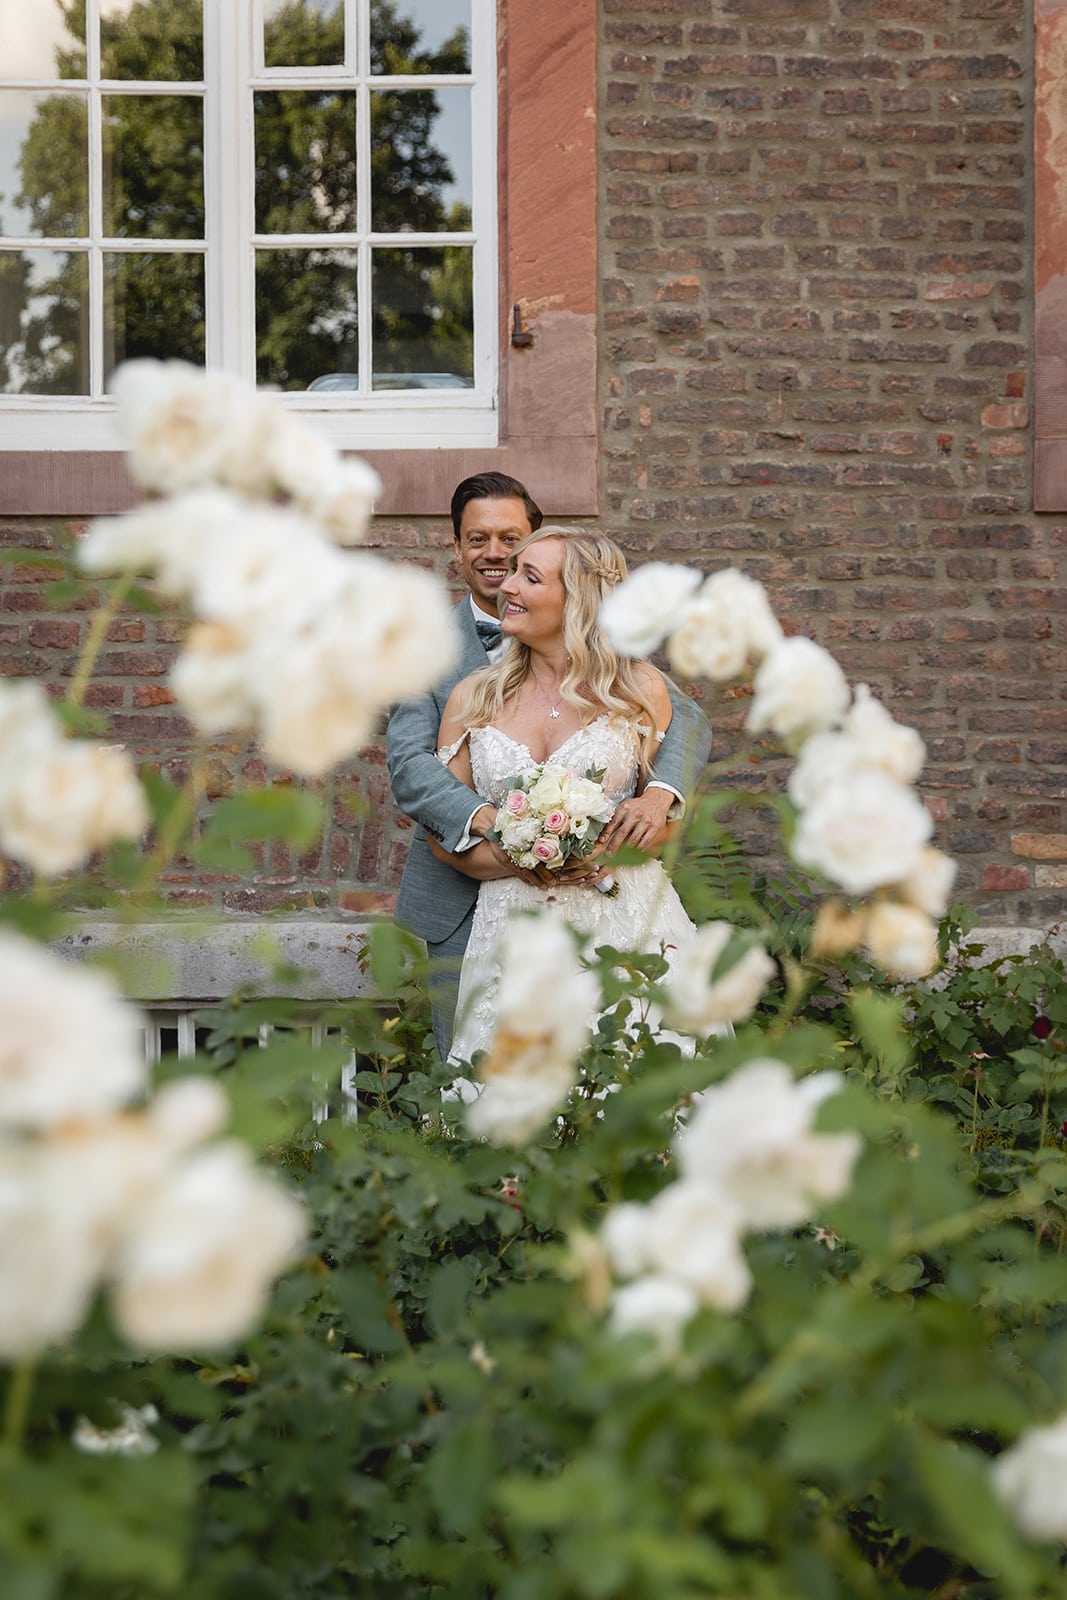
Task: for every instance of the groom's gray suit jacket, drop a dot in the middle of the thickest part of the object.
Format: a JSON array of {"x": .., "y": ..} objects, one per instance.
[{"x": 434, "y": 898}]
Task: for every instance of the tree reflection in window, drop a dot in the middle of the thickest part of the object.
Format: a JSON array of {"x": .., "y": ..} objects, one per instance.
[{"x": 306, "y": 303}]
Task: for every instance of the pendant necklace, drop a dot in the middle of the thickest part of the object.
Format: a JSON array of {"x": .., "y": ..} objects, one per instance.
[{"x": 553, "y": 710}]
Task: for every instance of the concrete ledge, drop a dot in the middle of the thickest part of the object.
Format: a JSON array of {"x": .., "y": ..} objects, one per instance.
[
  {"x": 1018, "y": 941},
  {"x": 191, "y": 962}
]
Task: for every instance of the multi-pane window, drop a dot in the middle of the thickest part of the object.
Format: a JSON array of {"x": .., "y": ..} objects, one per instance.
[{"x": 300, "y": 191}]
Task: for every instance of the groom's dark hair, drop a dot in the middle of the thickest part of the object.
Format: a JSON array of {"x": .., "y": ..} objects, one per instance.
[{"x": 493, "y": 486}]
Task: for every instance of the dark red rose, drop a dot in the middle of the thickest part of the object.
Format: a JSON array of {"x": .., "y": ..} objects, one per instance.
[{"x": 1042, "y": 1027}]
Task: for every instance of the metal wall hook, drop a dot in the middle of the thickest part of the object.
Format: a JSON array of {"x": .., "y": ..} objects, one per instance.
[{"x": 521, "y": 338}]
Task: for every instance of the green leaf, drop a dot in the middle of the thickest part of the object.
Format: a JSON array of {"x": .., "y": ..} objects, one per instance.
[
  {"x": 460, "y": 1477},
  {"x": 80, "y": 720},
  {"x": 295, "y": 815},
  {"x": 447, "y": 1300},
  {"x": 977, "y": 1526}
]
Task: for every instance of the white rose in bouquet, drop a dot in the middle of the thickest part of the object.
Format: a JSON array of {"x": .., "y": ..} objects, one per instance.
[
  {"x": 71, "y": 1046},
  {"x": 697, "y": 1002},
  {"x": 1031, "y": 1479},
  {"x": 800, "y": 690},
  {"x": 864, "y": 831},
  {"x": 585, "y": 801},
  {"x": 751, "y": 1137},
  {"x": 727, "y": 624},
  {"x": 640, "y": 612},
  {"x": 901, "y": 939}
]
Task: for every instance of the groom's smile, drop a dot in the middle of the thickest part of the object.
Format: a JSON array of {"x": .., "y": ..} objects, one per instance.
[{"x": 489, "y": 531}]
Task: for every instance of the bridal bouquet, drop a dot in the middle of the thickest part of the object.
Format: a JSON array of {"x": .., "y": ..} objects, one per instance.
[{"x": 548, "y": 815}]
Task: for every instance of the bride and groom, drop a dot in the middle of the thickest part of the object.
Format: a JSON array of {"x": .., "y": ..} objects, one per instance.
[{"x": 536, "y": 679}]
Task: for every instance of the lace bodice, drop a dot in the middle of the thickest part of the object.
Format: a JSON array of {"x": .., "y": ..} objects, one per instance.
[{"x": 607, "y": 744}]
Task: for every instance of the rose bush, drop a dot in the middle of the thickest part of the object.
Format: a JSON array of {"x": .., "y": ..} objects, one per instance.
[{"x": 771, "y": 1313}]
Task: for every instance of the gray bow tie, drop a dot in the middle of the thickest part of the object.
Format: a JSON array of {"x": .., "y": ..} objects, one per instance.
[{"x": 489, "y": 633}]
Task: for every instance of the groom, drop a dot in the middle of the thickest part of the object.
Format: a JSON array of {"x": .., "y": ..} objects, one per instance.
[{"x": 491, "y": 514}]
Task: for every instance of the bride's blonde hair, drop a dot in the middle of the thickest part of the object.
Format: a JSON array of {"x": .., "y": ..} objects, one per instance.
[{"x": 597, "y": 679}]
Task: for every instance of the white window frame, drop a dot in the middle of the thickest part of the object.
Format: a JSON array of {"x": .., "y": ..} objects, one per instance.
[{"x": 353, "y": 420}]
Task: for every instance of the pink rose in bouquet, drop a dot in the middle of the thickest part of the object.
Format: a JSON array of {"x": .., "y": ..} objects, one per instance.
[{"x": 549, "y": 816}]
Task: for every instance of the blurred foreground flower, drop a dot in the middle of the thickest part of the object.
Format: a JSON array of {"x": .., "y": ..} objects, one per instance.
[
  {"x": 132, "y": 1437},
  {"x": 61, "y": 799},
  {"x": 189, "y": 1236},
  {"x": 1031, "y": 1480},
  {"x": 546, "y": 1008},
  {"x": 698, "y": 997},
  {"x": 302, "y": 642},
  {"x": 752, "y": 1137}
]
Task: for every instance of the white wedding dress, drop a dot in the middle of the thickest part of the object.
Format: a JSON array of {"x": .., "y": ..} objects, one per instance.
[{"x": 646, "y": 914}]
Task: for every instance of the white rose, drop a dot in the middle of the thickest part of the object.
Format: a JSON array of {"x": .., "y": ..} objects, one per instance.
[
  {"x": 800, "y": 690},
  {"x": 520, "y": 833},
  {"x": 512, "y": 1106},
  {"x": 696, "y": 1002},
  {"x": 342, "y": 502},
  {"x": 626, "y": 1236},
  {"x": 50, "y": 1265},
  {"x": 70, "y": 1047},
  {"x": 1031, "y": 1480},
  {"x": 929, "y": 885},
  {"x": 638, "y": 614},
  {"x": 69, "y": 801},
  {"x": 658, "y": 1305},
  {"x": 214, "y": 678},
  {"x": 869, "y": 740},
  {"x": 549, "y": 792},
  {"x": 892, "y": 747},
  {"x": 587, "y": 801},
  {"x": 751, "y": 1137},
  {"x": 866, "y": 830},
  {"x": 179, "y": 423},
  {"x": 133, "y": 1436},
  {"x": 693, "y": 1236},
  {"x": 172, "y": 539},
  {"x": 543, "y": 986},
  {"x": 28, "y": 728},
  {"x": 198, "y": 1260},
  {"x": 901, "y": 939},
  {"x": 725, "y": 625}
]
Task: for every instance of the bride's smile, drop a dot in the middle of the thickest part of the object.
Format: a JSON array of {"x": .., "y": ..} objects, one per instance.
[{"x": 533, "y": 595}]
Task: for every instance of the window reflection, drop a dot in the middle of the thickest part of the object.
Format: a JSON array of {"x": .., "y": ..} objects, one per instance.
[
  {"x": 153, "y": 306},
  {"x": 423, "y": 325},
  {"x": 421, "y": 179},
  {"x": 44, "y": 322},
  {"x": 44, "y": 165},
  {"x": 420, "y": 36},
  {"x": 153, "y": 167},
  {"x": 305, "y": 162},
  {"x": 146, "y": 40},
  {"x": 35, "y": 41},
  {"x": 306, "y": 316},
  {"x": 303, "y": 33}
]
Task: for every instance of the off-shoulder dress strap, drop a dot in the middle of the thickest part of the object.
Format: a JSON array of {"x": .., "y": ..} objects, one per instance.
[{"x": 447, "y": 751}]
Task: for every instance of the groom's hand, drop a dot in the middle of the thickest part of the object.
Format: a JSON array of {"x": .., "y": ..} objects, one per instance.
[{"x": 640, "y": 822}]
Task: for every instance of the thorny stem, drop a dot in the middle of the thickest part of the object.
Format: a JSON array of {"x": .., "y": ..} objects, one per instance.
[
  {"x": 17, "y": 1404},
  {"x": 174, "y": 826},
  {"x": 101, "y": 622}
]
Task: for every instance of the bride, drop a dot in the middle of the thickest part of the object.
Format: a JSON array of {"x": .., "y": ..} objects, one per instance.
[{"x": 559, "y": 691}]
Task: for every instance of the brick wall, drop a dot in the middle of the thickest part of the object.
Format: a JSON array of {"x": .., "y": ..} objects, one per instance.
[
  {"x": 815, "y": 359},
  {"x": 815, "y": 363}
]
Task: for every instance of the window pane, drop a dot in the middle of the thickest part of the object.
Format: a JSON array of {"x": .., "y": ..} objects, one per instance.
[
  {"x": 44, "y": 165},
  {"x": 306, "y": 318},
  {"x": 420, "y": 36},
  {"x": 303, "y": 33},
  {"x": 159, "y": 40},
  {"x": 423, "y": 322},
  {"x": 420, "y": 160},
  {"x": 153, "y": 168},
  {"x": 153, "y": 306},
  {"x": 36, "y": 40},
  {"x": 44, "y": 322},
  {"x": 305, "y": 162}
]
